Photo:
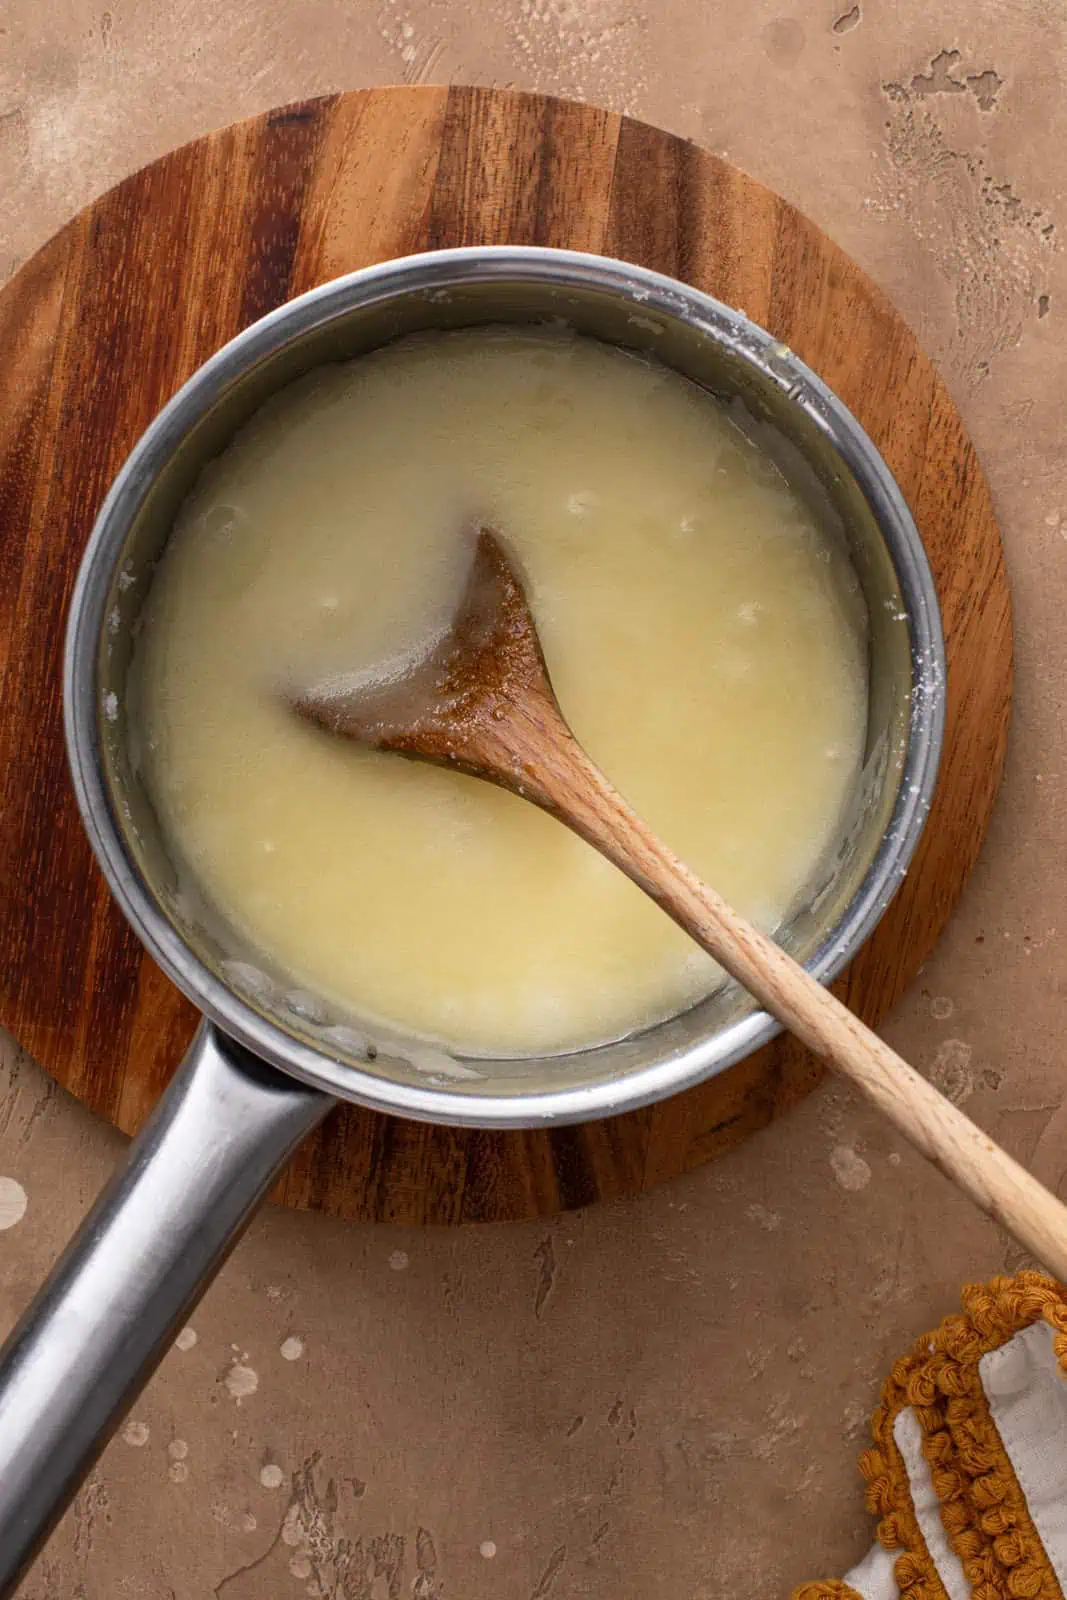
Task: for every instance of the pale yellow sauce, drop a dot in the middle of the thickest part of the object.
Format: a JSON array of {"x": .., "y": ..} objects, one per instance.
[{"x": 700, "y": 630}]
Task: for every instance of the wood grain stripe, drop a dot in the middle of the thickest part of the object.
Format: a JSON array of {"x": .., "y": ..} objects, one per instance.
[
  {"x": 370, "y": 194},
  {"x": 289, "y": 142}
]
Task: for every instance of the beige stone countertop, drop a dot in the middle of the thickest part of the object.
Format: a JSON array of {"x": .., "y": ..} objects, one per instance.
[{"x": 664, "y": 1397}]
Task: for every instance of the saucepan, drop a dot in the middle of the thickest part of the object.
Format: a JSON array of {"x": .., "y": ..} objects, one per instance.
[{"x": 269, "y": 1061}]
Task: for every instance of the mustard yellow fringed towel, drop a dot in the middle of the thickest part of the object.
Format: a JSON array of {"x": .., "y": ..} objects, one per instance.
[{"x": 968, "y": 1473}]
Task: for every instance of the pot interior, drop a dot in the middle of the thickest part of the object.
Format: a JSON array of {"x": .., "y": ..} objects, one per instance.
[{"x": 822, "y": 453}]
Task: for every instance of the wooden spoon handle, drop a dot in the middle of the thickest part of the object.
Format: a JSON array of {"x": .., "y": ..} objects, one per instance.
[{"x": 579, "y": 794}]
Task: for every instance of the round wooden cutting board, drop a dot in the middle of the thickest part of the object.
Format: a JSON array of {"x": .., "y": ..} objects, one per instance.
[{"x": 105, "y": 322}]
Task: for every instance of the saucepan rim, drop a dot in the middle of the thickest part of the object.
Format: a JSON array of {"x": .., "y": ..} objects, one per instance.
[{"x": 648, "y": 293}]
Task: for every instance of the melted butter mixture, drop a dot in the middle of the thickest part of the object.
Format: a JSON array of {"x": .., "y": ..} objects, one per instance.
[{"x": 705, "y": 640}]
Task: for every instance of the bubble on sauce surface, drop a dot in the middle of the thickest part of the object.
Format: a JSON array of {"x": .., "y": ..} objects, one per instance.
[
  {"x": 302, "y": 1003},
  {"x": 582, "y": 502},
  {"x": 221, "y": 521}
]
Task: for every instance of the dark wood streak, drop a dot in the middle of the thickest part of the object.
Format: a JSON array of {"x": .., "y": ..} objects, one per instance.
[
  {"x": 576, "y": 1179},
  {"x": 107, "y": 320},
  {"x": 291, "y": 141}
]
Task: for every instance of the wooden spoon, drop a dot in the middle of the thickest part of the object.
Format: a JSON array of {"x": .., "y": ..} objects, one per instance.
[{"x": 482, "y": 702}]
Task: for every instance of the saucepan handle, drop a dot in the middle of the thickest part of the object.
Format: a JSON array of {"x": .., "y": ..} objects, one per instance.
[{"x": 136, "y": 1267}]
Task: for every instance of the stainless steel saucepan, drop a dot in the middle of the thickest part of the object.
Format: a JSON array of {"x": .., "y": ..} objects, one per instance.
[{"x": 269, "y": 1061}]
